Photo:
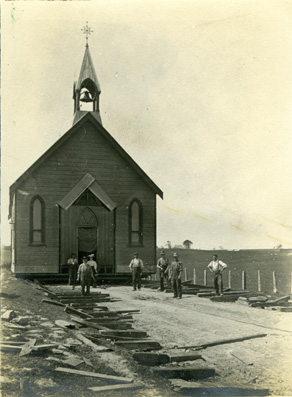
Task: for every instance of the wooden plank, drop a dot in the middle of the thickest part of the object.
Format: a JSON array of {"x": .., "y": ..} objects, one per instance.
[
  {"x": 223, "y": 342},
  {"x": 82, "y": 314},
  {"x": 184, "y": 372},
  {"x": 274, "y": 302},
  {"x": 89, "y": 343},
  {"x": 52, "y": 302},
  {"x": 184, "y": 357},
  {"x": 150, "y": 358},
  {"x": 10, "y": 348},
  {"x": 154, "y": 358},
  {"x": 45, "y": 347},
  {"x": 217, "y": 389},
  {"x": 87, "y": 324},
  {"x": 115, "y": 387},
  {"x": 224, "y": 298},
  {"x": 131, "y": 333},
  {"x": 111, "y": 319},
  {"x": 94, "y": 374},
  {"x": 139, "y": 344}
]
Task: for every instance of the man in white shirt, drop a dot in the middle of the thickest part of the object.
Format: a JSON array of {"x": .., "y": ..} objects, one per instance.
[
  {"x": 93, "y": 264},
  {"x": 217, "y": 267},
  {"x": 136, "y": 265}
]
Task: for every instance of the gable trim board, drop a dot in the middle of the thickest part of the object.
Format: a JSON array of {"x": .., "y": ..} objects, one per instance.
[
  {"x": 87, "y": 182},
  {"x": 87, "y": 117}
]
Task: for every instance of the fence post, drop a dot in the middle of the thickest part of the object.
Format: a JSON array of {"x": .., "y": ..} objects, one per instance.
[
  {"x": 186, "y": 274},
  {"x": 291, "y": 282},
  {"x": 275, "y": 289},
  {"x": 243, "y": 280},
  {"x": 229, "y": 279},
  {"x": 195, "y": 277},
  {"x": 259, "y": 281},
  {"x": 155, "y": 277},
  {"x": 205, "y": 277}
]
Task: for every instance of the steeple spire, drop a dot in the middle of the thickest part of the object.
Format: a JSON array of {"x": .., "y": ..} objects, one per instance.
[{"x": 87, "y": 88}]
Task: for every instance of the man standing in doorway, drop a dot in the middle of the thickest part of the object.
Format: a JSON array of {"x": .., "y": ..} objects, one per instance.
[
  {"x": 136, "y": 265},
  {"x": 162, "y": 265},
  {"x": 217, "y": 267},
  {"x": 72, "y": 270},
  {"x": 93, "y": 264},
  {"x": 85, "y": 275},
  {"x": 175, "y": 272}
]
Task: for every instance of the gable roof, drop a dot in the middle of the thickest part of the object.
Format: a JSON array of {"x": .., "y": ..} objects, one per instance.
[
  {"x": 87, "y": 182},
  {"x": 87, "y": 117}
]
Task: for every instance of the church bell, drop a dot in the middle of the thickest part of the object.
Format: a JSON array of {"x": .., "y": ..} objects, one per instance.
[{"x": 86, "y": 97}]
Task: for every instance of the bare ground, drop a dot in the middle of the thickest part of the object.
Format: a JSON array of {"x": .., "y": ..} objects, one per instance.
[{"x": 265, "y": 362}]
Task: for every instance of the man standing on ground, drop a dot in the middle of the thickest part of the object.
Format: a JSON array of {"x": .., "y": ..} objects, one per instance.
[
  {"x": 217, "y": 268},
  {"x": 93, "y": 264},
  {"x": 72, "y": 270},
  {"x": 162, "y": 265},
  {"x": 136, "y": 265},
  {"x": 85, "y": 275},
  {"x": 175, "y": 271}
]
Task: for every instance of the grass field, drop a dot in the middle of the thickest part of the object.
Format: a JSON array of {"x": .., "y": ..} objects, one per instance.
[{"x": 251, "y": 261}]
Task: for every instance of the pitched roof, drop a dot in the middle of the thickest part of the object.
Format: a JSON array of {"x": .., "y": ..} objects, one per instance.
[
  {"x": 87, "y": 71},
  {"x": 87, "y": 182},
  {"x": 87, "y": 117}
]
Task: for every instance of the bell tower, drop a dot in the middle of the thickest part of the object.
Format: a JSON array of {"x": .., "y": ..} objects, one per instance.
[{"x": 86, "y": 90}]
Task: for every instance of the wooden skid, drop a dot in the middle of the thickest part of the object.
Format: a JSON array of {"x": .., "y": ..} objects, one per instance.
[
  {"x": 131, "y": 333},
  {"x": 94, "y": 374},
  {"x": 224, "y": 298},
  {"x": 139, "y": 344},
  {"x": 163, "y": 358},
  {"x": 184, "y": 372}
]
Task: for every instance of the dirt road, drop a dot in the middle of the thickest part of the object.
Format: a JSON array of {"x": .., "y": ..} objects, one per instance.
[
  {"x": 192, "y": 320},
  {"x": 264, "y": 362}
]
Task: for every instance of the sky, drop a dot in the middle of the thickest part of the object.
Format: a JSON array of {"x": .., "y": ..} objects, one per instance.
[{"x": 199, "y": 93}]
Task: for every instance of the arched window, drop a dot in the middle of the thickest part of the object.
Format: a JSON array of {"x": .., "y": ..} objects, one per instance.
[
  {"x": 135, "y": 222},
  {"x": 37, "y": 220}
]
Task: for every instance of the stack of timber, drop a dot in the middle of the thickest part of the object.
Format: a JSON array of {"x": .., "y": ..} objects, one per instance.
[{"x": 115, "y": 326}]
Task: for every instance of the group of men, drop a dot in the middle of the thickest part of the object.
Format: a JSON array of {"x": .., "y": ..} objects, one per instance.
[
  {"x": 171, "y": 272},
  {"x": 86, "y": 272}
]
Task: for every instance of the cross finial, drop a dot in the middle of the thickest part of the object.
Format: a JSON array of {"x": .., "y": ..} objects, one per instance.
[{"x": 87, "y": 31}]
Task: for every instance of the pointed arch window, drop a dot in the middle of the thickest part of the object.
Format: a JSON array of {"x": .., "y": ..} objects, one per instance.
[
  {"x": 135, "y": 222},
  {"x": 37, "y": 221}
]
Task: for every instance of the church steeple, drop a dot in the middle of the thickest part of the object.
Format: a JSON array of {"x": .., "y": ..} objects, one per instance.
[{"x": 86, "y": 90}]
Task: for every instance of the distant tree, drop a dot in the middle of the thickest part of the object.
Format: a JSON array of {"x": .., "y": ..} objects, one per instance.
[
  {"x": 168, "y": 244},
  {"x": 178, "y": 246},
  {"x": 187, "y": 244},
  {"x": 221, "y": 247}
]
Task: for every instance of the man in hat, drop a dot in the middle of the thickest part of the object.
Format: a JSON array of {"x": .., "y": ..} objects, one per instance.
[
  {"x": 72, "y": 270},
  {"x": 174, "y": 272},
  {"x": 93, "y": 264},
  {"x": 216, "y": 266},
  {"x": 136, "y": 265},
  {"x": 85, "y": 275},
  {"x": 162, "y": 265}
]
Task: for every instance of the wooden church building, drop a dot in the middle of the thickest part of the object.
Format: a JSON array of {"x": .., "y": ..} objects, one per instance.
[{"x": 84, "y": 195}]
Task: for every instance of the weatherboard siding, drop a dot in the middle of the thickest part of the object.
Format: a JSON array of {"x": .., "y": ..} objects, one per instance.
[{"x": 86, "y": 151}]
